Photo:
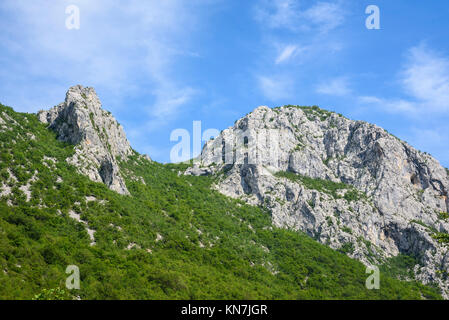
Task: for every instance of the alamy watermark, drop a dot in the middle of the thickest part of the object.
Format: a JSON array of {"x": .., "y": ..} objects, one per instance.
[
  {"x": 73, "y": 280},
  {"x": 73, "y": 20},
  {"x": 373, "y": 281},
  {"x": 373, "y": 20},
  {"x": 239, "y": 146}
]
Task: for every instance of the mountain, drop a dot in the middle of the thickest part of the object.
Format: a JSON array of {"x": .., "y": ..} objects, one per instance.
[
  {"x": 73, "y": 192},
  {"x": 99, "y": 138},
  {"x": 348, "y": 184}
]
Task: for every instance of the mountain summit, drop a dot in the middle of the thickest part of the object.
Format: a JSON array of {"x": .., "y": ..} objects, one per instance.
[
  {"x": 348, "y": 184},
  {"x": 100, "y": 140}
]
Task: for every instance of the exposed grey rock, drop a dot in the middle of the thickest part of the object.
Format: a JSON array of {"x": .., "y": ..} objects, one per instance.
[
  {"x": 198, "y": 171},
  {"x": 26, "y": 188},
  {"x": 100, "y": 140},
  {"x": 404, "y": 189},
  {"x": 76, "y": 216}
]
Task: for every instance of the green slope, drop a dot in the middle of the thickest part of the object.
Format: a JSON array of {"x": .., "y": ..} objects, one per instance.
[{"x": 210, "y": 246}]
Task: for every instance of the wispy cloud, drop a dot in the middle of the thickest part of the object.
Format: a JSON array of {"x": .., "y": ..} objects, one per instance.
[
  {"x": 409, "y": 108},
  {"x": 424, "y": 79},
  {"x": 309, "y": 23},
  {"x": 289, "y": 14},
  {"x": 169, "y": 101},
  {"x": 287, "y": 53},
  {"x": 277, "y": 13},
  {"x": 275, "y": 88},
  {"x": 337, "y": 87},
  {"x": 424, "y": 100},
  {"x": 325, "y": 15},
  {"x": 120, "y": 48}
]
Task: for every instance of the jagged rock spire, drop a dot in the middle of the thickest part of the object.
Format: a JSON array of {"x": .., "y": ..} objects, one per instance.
[{"x": 100, "y": 140}]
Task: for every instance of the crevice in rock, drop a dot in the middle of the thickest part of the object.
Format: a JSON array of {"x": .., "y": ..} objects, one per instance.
[
  {"x": 409, "y": 240},
  {"x": 107, "y": 172}
]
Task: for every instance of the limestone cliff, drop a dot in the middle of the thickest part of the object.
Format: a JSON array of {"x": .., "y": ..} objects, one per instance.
[
  {"x": 349, "y": 184},
  {"x": 100, "y": 140}
]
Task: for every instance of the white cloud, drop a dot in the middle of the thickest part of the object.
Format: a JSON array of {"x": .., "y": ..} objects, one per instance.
[
  {"x": 370, "y": 99},
  {"x": 277, "y": 13},
  {"x": 390, "y": 105},
  {"x": 425, "y": 79},
  {"x": 337, "y": 87},
  {"x": 287, "y": 53},
  {"x": 167, "y": 106},
  {"x": 321, "y": 16},
  {"x": 275, "y": 88},
  {"x": 121, "y": 48},
  {"x": 325, "y": 15}
]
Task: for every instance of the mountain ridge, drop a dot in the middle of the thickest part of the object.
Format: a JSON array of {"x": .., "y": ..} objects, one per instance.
[
  {"x": 314, "y": 143},
  {"x": 171, "y": 236},
  {"x": 366, "y": 190}
]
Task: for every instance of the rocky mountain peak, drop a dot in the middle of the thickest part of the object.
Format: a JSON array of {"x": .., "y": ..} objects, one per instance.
[
  {"x": 100, "y": 140},
  {"x": 349, "y": 184}
]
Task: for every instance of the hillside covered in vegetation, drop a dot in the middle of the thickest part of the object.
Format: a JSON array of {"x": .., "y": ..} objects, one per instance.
[{"x": 172, "y": 237}]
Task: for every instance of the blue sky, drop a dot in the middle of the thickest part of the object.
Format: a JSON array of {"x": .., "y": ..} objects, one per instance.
[{"x": 160, "y": 65}]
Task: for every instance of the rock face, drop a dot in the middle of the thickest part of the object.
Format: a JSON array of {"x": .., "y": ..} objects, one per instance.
[
  {"x": 100, "y": 140},
  {"x": 349, "y": 184}
]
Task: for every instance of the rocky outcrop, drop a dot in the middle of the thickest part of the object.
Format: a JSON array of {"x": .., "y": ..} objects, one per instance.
[
  {"x": 349, "y": 184},
  {"x": 197, "y": 171},
  {"x": 100, "y": 140}
]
